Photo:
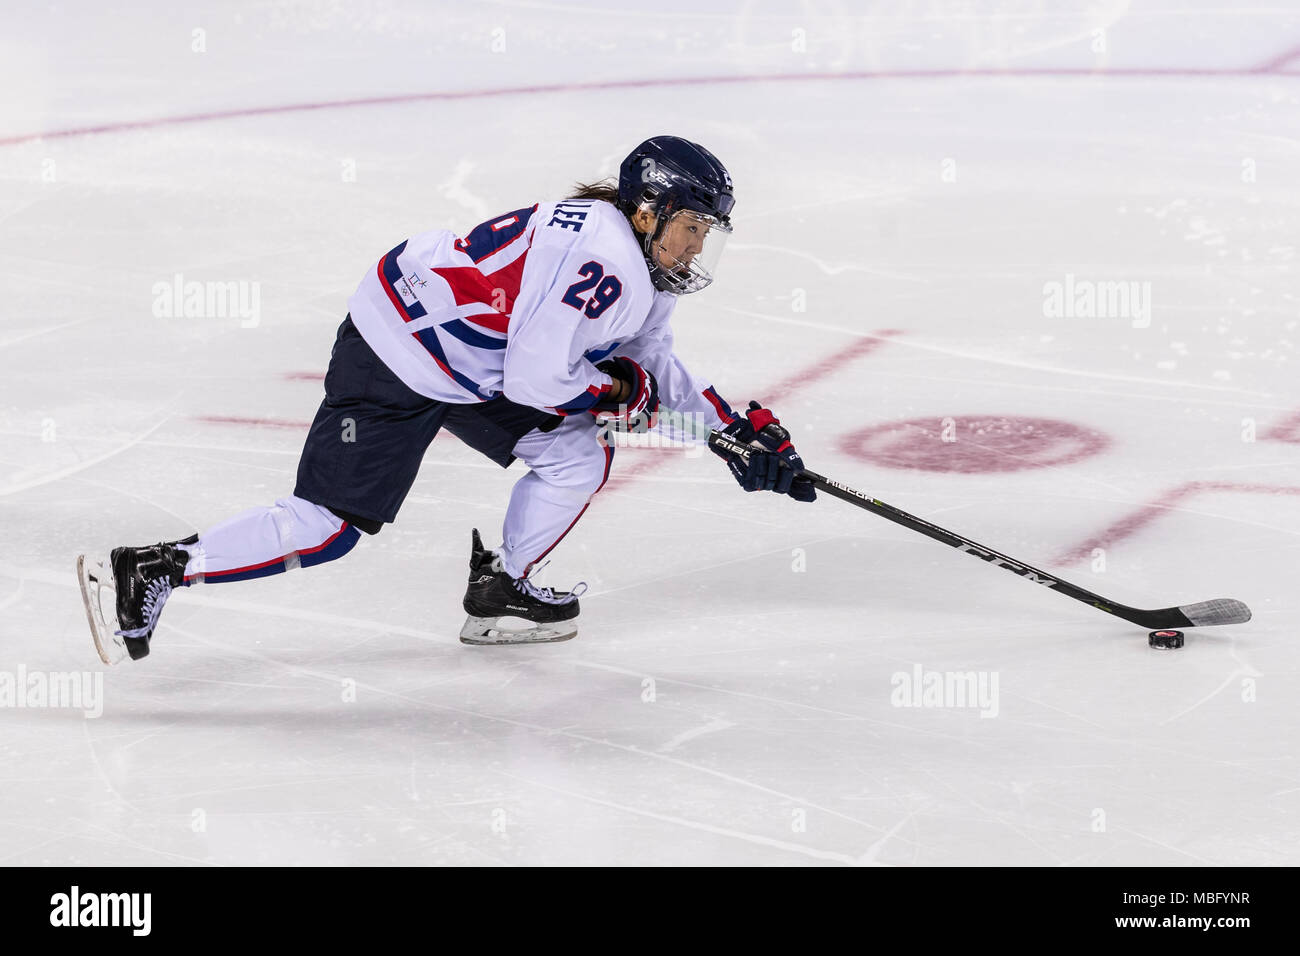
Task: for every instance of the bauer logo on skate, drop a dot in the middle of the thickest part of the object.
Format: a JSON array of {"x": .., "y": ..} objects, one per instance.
[
  {"x": 947, "y": 689},
  {"x": 66, "y": 690},
  {"x": 75, "y": 908},
  {"x": 178, "y": 299}
]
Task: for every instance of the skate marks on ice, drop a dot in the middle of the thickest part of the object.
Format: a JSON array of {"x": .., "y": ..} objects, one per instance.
[
  {"x": 545, "y": 731},
  {"x": 370, "y": 687},
  {"x": 1010, "y": 362},
  {"x": 24, "y": 485},
  {"x": 785, "y": 846},
  {"x": 544, "y": 662},
  {"x": 713, "y": 726}
]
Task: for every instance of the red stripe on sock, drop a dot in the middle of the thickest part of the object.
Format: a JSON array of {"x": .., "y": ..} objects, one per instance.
[{"x": 254, "y": 567}]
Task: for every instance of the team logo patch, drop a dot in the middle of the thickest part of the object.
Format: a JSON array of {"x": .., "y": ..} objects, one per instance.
[{"x": 404, "y": 292}]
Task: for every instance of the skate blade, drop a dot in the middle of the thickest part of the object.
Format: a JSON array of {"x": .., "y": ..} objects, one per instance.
[
  {"x": 488, "y": 630},
  {"x": 95, "y": 581}
]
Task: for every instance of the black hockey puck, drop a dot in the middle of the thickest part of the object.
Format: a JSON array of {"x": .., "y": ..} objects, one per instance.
[{"x": 1165, "y": 639}]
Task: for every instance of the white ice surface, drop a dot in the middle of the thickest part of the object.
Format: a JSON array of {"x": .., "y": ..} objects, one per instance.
[{"x": 718, "y": 706}]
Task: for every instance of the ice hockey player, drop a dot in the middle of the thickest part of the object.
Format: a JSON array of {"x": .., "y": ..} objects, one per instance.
[{"x": 520, "y": 338}]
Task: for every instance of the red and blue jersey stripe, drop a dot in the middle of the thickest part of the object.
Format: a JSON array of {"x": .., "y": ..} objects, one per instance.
[
  {"x": 584, "y": 402},
  {"x": 719, "y": 405},
  {"x": 390, "y": 274}
]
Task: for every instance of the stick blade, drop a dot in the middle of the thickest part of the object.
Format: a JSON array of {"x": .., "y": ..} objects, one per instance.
[{"x": 1217, "y": 612}]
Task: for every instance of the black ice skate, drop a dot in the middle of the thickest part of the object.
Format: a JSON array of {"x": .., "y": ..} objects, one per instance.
[
  {"x": 493, "y": 594},
  {"x": 141, "y": 580}
]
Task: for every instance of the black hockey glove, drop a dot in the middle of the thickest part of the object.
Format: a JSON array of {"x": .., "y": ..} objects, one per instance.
[
  {"x": 637, "y": 412},
  {"x": 774, "y": 465}
]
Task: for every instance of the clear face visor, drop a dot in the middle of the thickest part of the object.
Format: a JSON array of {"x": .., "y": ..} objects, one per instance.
[{"x": 687, "y": 248}]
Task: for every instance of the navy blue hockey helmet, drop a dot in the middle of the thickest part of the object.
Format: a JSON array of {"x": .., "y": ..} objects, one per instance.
[{"x": 689, "y": 193}]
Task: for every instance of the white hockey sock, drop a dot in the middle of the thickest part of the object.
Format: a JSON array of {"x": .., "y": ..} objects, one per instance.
[
  {"x": 262, "y": 541},
  {"x": 538, "y": 516}
]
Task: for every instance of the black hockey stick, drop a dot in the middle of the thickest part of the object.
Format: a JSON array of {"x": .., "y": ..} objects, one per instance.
[{"x": 1206, "y": 613}]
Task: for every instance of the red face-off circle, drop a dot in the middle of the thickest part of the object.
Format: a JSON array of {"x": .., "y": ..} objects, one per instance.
[{"x": 974, "y": 444}]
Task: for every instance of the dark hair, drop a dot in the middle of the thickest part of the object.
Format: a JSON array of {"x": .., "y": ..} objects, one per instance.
[{"x": 605, "y": 190}]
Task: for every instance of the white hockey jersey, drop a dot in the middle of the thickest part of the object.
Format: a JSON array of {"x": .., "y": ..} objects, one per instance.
[{"x": 525, "y": 305}]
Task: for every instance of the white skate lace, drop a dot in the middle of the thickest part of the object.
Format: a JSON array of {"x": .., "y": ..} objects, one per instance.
[
  {"x": 155, "y": 596},
  {"x": 548, "y": 595}
]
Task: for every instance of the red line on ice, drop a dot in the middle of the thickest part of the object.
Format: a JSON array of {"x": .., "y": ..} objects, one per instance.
[
  {"x": 1170, "y": 500},
  {"x": 1275, "y": 65},
  {"x": 869, "y": 342},
  {"x": 1271, "y": 67},
  {"x": 1287, "y": 430},
  {"x": 254, "y": 422},
  {"x": 865, "y": 344}
]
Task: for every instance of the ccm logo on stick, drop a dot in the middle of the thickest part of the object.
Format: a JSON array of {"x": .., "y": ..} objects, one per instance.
[{"x": 1022, "y": 571}]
